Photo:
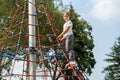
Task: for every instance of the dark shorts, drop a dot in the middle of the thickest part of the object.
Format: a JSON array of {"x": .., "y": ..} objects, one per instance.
[
  {"x": 69, "y": 42},
  {"x": 69, "y": 46}
]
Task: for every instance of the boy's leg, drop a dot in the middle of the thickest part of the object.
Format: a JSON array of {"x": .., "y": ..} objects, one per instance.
[
  {"x": 69, "y": 46},
  {"x": 71, "y": 55}
]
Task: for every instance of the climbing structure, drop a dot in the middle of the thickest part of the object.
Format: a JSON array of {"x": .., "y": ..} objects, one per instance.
[{"x": 51, "y": 58}]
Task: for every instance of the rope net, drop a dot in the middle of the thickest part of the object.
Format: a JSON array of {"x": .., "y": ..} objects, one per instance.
[{"x": 51, "y": 59}]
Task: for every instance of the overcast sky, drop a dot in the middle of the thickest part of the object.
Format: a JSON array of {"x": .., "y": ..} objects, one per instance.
[{"x": 104, "y": 16}]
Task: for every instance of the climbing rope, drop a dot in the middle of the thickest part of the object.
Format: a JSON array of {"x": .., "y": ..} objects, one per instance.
[{"x": 51, "y": 59}]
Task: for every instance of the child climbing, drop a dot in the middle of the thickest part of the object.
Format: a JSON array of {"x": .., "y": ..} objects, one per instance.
[{"x": 67, "y": 35}]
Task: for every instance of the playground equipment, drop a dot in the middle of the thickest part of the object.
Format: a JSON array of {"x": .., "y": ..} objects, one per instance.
[{"x": 23, "y": 55}]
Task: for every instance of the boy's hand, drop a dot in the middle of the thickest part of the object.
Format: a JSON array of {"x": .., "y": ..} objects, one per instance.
[
  {"x": 61, "y": 39},
  {"x": 60, "y": 36},
  {"x": 71, "y": 65}
]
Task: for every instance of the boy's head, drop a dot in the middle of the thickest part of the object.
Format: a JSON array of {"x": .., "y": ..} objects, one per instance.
[{"x": 66, "y": 16}]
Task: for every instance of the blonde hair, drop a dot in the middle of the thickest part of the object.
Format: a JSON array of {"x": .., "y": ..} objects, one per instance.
[{"x": 67, "y": 13}]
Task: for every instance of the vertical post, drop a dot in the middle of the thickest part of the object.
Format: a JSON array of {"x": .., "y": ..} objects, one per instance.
[{"x": 32, "y": 38}]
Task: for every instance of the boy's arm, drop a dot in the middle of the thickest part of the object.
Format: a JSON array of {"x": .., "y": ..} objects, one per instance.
[{"x": 65, "y": 31}]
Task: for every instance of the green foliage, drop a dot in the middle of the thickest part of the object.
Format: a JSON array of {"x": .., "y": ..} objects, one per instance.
[
  {"x": 113, "y": 70},
  {"x": 5, "y": 7}
]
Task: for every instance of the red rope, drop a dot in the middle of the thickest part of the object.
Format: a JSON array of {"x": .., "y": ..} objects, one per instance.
[{"x": 15, "y": 26}]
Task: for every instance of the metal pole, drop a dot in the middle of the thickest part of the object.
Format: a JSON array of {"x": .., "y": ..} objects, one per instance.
[{"x": 32, "y": 38}]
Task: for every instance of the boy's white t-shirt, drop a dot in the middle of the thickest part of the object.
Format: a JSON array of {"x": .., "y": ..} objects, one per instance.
[{"x": 66, "y": 24}]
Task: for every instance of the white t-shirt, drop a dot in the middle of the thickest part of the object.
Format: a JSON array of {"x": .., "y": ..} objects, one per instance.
[{"x": 66, "y": 24}]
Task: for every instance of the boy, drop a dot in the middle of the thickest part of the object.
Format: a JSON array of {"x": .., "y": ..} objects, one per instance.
[{"x": 67, "y": 35}]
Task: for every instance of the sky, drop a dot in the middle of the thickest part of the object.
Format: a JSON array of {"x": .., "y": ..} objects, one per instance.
[{"x": 104, "y": 16}]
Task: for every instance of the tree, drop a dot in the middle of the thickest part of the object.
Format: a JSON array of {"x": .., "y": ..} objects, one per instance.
[
  {"x": 6, "y": 7},
  {"x": 113, "y": 69}
]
